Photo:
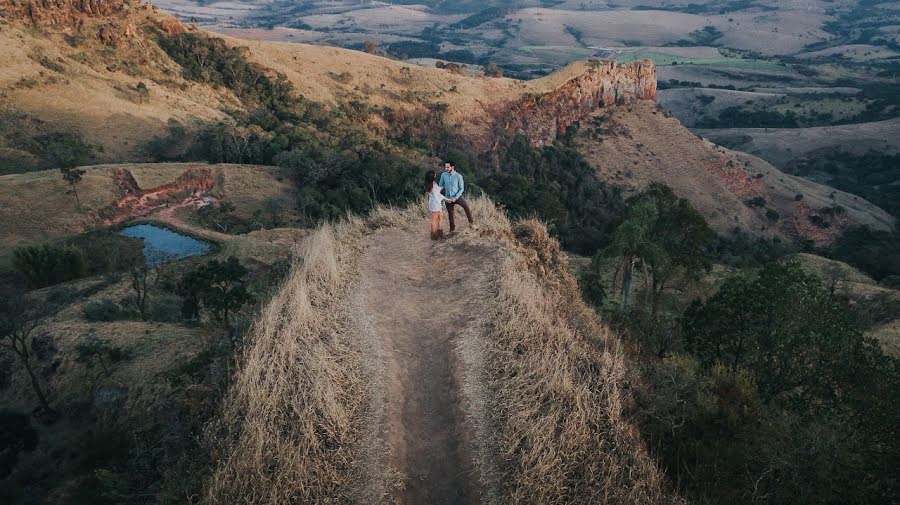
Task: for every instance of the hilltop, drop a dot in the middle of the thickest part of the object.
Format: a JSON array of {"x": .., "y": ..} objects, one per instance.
[{"x": 453, "y": 408}]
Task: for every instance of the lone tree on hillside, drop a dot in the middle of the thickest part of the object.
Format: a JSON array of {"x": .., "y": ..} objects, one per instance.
[
  {"x": 18, "y": 322},
  {"x": 370, "y": 47},
  {"x": 73, "y": 176},
  {"x": 93, "y": 348},
  {"x": 143, "y": 92},
  {"x": 145, "y": 275}
]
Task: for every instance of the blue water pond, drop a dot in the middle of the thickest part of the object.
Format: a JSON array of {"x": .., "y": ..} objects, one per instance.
[{"x": 162, "y": 245}]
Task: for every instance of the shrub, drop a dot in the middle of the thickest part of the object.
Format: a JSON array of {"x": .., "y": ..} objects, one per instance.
[
  {"x": 47, "y": 264},
  {"x": 106, "y": 251},
  {"x": 16, "y": 435},
  {"x": 62, "y": 149},
  {"x": 891, "y": 281},
  {"x": 166, "y": 308},
  {"x": 756, "y": 201},
  {"x": 211, "y": 60},
  {"x": 102, "y": 310},
  {"x": 492, "y": 70}
]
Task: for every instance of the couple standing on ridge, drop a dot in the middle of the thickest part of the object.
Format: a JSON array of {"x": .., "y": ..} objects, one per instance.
[{"x": 451, "y": 182}]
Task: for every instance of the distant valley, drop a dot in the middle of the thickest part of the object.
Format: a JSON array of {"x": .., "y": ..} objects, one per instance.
[{"x": 761, "y": 76}]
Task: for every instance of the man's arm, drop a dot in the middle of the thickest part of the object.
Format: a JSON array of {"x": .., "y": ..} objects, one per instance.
[{"x": 442, "y": 180}]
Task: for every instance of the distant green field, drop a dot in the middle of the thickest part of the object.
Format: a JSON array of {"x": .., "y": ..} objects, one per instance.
[
  {"x": 565, "y": 54},
  {"x": 556, "y": 54},
  {"x": 724, "y": 61}
]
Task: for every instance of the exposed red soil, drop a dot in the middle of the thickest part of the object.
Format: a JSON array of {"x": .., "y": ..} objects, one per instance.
[{"x": 190, "y": 188}]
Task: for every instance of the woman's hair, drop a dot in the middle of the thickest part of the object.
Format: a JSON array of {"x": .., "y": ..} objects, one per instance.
[{"x": 429, "y": 180}]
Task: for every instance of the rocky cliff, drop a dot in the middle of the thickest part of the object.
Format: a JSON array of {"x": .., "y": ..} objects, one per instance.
[
  {"x": 110, "y": 21},
  {"x": 63, "y": 13},
  {"x": 541, "y": 118},
  {"x": 190, "y": 188}
]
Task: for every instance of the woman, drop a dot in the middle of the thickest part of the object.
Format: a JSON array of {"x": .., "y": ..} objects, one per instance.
[{"x": 435, "y": 199}]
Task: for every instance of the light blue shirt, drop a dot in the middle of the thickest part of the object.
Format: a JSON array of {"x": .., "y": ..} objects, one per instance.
[{"x": 452, "y": 184}]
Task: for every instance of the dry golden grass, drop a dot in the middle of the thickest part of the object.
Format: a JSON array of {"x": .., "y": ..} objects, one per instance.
[
  {"x": 287, "y": 425},
  {"x": 556, "y": 373},
  {"x": 94, "y": 95},
  {"x": 549, "y": 421}
]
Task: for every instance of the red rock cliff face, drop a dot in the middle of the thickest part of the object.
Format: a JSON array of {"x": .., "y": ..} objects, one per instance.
[
  {"x": 62, "y": 13},
  {"x": 111, "y": 21},
  {"x": 542, "y": 118}
]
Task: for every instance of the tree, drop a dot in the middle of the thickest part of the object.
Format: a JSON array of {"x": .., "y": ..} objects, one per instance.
[
  {"x": 370, "y": 47},
  {"x": 221, "y": 216},
  {"x": 18, "y": 322},
  {"x": 632, "y": 243},
  {"x": 492, "y": 70},
  {"x": 73, "y": 176},
  {"x": 93, "y": 348},
  {"x": 829, "y": 396},
  {"x": 63, "y": 149},
  {"x": 663, "y": 234},
  {"x": 783, "y": 326},
  {"x": 143, "y": 92},
  {"x": 219, "y": 286},
  {"x": 145, "y": 276},
  {"x": 681, "y": 235},
  {"x": 46, "y": 264}
]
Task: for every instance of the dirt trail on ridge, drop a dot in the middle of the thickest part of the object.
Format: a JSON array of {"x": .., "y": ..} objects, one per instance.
[{"x": 422, "y": 299}]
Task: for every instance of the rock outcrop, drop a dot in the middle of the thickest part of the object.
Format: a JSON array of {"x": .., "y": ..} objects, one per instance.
[
  {"x": 191, "y": 187},
  {"x": 541, "y": 118},
  {"x": 63, "y": 13},
  {"x": 110, "y": 21}
]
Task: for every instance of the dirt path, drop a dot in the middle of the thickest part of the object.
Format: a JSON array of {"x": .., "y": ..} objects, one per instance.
[{"x": 423, "y": 298}]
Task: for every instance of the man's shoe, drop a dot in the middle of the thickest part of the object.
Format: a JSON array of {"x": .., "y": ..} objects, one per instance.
[{"x": 473, "y": 226}]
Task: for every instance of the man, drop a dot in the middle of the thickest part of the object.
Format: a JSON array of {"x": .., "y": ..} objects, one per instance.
[{"x": 452, "y": 183}]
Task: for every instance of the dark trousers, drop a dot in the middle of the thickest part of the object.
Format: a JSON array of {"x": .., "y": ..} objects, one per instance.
[{"x": 451, "y": 208}]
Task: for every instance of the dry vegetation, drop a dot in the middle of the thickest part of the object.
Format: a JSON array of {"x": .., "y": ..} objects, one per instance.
[
  {"x": 548, "y": 414},
  {"x": 58, "y": 215},
  {"x": 91, "y": 88},
  {"x": 633, "y": 146},
  {"x": 289, "y": 421},
  {"x": 557, "y": 376}
]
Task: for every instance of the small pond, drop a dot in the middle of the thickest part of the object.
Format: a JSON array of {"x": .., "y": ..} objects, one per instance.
[{"x": 162, "y": 245}]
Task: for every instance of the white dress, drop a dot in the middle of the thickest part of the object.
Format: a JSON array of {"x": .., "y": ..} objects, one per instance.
[{"x": 435, "y": 198}]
